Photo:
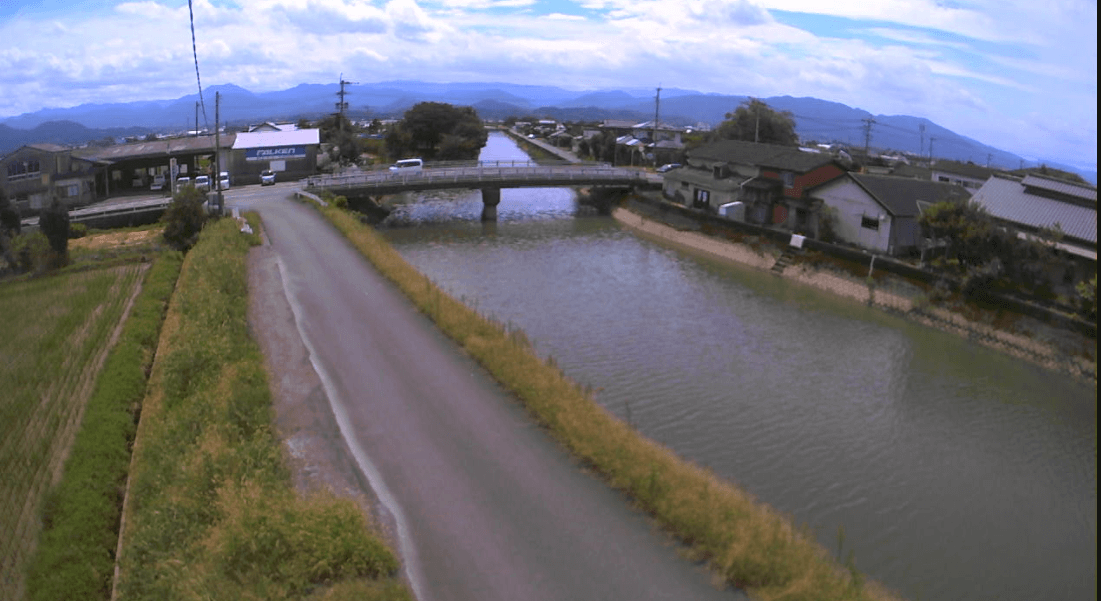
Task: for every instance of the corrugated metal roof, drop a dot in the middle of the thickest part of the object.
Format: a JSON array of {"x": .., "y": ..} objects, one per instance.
[
  {"x": 156, "y": 148},
  {"x": 46, "y": 147},
  {"x": 785, "y": 158},
  {"x": 1009, "y": 200},
  {"x": 900, "y": 195},
  {"x": 271, "y": 139},
  {"x": 1061, "y": 187}
]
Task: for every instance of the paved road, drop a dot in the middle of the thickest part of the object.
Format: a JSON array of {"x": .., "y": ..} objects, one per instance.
[{"x": 485, "y": 505}]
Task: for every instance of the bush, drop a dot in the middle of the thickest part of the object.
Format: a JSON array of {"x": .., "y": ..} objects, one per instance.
[
  {"x": 184, "y": 219},
  {"x": 31, "y": 251},
  {"x": 340, "y": 202},
  {"x": 77, "y": 230}
]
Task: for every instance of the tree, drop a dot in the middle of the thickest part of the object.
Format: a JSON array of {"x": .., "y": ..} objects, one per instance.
[
  {"x": 436, "y": 130},
  {"x": 9, "y": 216},
  {"x": 988, "y": 255},
  {"x": 54, "y": 223},
  {"x": 9, "y": 228},
  {"x": 338, "y": 130},
  {"x": 184, "y": 218},
  {"x": 755, "y": 121}
]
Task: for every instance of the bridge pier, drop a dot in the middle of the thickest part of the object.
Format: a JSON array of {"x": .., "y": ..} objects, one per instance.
[{"x": 491, "y": 197}]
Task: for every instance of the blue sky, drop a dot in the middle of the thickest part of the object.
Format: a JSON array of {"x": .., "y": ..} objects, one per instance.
[{"x": 1020, "y": 75}]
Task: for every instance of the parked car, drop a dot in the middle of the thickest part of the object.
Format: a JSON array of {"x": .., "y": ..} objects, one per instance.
[
  {"x": 668, "y": 167},
  {"x": 158, "y": 182},
  {"x": 407, "y": 166},
  {"x": 183, "y": 181},
  {"x": 223, "y": 180},
  {"x": 202, "y": 183},
  {"x": 267, "y": 177}
]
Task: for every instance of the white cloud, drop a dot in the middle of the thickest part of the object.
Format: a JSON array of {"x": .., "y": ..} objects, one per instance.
[{"x": 979, "y": 67}]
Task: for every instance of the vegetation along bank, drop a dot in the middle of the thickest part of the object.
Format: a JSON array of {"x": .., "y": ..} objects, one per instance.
[
  {"x": 211, "y": 510},
  {"x": 747, "y": 543}
]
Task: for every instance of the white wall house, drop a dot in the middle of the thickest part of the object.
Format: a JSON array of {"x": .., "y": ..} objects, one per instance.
[{"x": 880, "y": 212}]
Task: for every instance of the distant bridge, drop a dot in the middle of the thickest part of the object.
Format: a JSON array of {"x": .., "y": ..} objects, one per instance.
[{"x": 487, "y": 176}]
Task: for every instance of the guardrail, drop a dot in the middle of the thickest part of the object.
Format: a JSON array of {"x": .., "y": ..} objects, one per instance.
[{"x": 496, "y": 172}]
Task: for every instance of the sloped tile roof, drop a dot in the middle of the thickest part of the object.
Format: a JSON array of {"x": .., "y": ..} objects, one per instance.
[
  {"x": 1009, "y": 200},
  {"x": 785, "y": 158},
  {"x": 900, "y": 195}
]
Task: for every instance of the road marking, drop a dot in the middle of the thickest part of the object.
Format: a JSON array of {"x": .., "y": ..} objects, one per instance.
[{"x": 405, "y": 543}]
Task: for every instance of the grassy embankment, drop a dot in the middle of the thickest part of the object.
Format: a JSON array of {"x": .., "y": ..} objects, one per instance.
[
  {"x": 751, "y": 545},
  {"x": 57, "y": 331},
  {"x": 211, "y": 511}
]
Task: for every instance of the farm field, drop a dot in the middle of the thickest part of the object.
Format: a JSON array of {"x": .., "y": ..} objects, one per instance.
[{"x": 55, "y": 333}]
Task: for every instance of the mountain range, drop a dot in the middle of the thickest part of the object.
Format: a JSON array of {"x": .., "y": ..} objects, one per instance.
[{"x": 815, "y": 119}]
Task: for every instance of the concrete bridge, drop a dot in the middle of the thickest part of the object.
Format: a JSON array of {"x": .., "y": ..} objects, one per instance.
[{"x": 487, "y": 176}]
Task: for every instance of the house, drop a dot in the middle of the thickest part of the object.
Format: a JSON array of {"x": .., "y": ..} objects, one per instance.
[
  {"x": 272, "y": 126},
  {"x": 968, "y": 175},
  {"x": 1035, "y": 203},
  {"x": 35, "y": 174},
  {"x": 881, "y": 212},
  {"x": 771, "y": 182}
]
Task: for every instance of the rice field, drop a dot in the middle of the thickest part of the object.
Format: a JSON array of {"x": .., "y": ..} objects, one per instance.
[{"x": 55, "y": 333}]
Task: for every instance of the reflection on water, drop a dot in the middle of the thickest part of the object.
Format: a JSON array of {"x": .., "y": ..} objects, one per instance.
[{"x": 957, "y": 472}]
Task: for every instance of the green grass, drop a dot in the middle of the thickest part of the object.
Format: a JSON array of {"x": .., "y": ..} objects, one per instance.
[
  {"x": 748, "y": 543},
  {"x": 212, "y": 512},
  {"x": 75, "y": 557},
  {"x": 57, "y": 331}
]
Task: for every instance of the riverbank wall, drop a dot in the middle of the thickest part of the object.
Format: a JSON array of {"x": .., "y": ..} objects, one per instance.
[{"x": 1059, "y": 349}]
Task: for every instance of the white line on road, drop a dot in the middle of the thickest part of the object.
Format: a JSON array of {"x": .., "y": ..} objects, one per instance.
[{"x": 405, "y": 544}]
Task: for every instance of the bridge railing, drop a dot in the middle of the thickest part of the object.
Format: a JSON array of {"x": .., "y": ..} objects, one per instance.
[{"x": 501, "y": 172}]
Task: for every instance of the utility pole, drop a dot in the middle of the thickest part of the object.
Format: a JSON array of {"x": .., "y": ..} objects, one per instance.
[
  {"x": 921, "y": 146},
  {"x": 654, "y": 135},
  {"x": 988, "y": 156},
  {"x": 341, "y": 106},
  {"x": 217, "y": 153},
  {"x": 931, "y": 140},
  {"x": 757, "y": 125},
  {"x": 196, "y": 119},
  {"x": 868, "y": 122}
]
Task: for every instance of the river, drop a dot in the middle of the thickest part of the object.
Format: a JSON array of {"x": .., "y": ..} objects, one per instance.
[{"x": 956, "y": 472}]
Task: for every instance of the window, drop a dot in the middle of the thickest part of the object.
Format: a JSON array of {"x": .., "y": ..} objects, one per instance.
[
  {"x": 869, "y": 222},
  {"x": 789, "y": 179},
  {"x": 941, "y": 178},
  {"x": 23, "y": 170}
]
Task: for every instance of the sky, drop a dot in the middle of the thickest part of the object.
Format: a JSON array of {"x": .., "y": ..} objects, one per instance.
[{"x": 1020, "y": 75}]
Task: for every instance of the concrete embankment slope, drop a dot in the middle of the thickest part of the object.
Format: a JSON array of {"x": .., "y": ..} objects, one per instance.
[
  {"x": 484, "y": 504},
  {"x": 1068, "y": 355}
]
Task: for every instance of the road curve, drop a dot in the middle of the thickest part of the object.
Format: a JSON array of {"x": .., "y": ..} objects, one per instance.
[{"x": 485, "y": 504}]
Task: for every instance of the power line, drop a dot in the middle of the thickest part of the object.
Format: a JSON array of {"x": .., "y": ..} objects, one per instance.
[{"x": 195, "y": 53}]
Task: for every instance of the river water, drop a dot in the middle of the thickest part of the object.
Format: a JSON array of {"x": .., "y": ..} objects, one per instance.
[{"x": 955, "y": 472}]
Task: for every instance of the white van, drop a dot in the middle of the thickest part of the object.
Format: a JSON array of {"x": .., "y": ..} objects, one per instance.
[{"x": 407, "y": 166}]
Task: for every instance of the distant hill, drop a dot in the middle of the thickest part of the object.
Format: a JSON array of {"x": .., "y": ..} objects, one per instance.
[
  {"x": 816, "y": 119},
  {"x": 67, "y": 133}
]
